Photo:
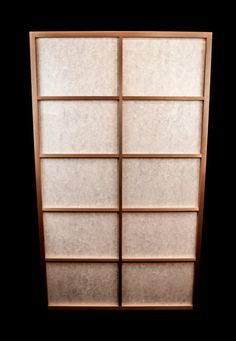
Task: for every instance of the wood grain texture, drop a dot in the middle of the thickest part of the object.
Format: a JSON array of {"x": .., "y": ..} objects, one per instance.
[
  {"x": 204, "y": 158},
  {"x": 169, "y": 34},
  {"x": 120, "y": 165},
  {"x": 36, "y": 127}
]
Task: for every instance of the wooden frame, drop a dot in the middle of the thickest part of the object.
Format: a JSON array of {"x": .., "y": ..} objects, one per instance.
[{"x": 36, "y": 98}]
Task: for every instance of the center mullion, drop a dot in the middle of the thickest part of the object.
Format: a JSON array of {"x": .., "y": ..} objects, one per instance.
[{"x": 120, "y": 123}]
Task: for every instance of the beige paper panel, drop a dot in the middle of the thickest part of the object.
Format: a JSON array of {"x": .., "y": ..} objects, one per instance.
[
  {"x": 162, "y": 127},
  {"x": 77, "y": 66},
  {"x": 79, "y": 183},
  {"x": 159, "y": 235},
  {"x": 78, "y": 126},
  {"x": 160, "y": 182},
  {"x": 85, "y": 235},
  {"x": 164, "y": 66},
  {"x": 82, "y": 284},
  {"x": 158, "y": 284}
]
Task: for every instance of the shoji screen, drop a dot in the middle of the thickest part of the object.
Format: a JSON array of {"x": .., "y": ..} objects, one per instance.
[{"x": 120, "y": 129}]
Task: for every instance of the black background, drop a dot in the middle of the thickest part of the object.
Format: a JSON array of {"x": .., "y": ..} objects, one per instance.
[{"x": 28, "y": 306}]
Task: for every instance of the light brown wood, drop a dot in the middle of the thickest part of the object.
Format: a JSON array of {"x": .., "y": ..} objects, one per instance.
[
  {"x": 163, "y": 98},
  {"x": 120, "y": 139},
  {"x": 118, "y": 34},
  {"x": 203, "y": 160},
  {"x": 75, "y": 209},
  {"x": 159, "y": 307},
  {"x": 136, "y": 210},
  {"x": 163, "y": 209},
  {"x": 163, "y": 156},
  {"x": 124, "y": 260},
  {"x": 82, "y": 260},
  {"x": 157, "y": 260},
  {"x": 77, "y": 98},
  {"x": 34, "y": 85},
  {"x": 116, "y": 98},
  {"x": 116, "y": 156},
  {"x": 79, "y": 156}
]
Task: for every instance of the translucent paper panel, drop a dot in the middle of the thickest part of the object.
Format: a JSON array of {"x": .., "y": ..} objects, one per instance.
[
  {"x": 157, "y": 284},
  {"x": 82, "y": 284},
  {"x": 162, "y": 127},
  {"x": 79, "y": 182},
  {"x": 78, "y": 126},
  {"x": 85, "y": 235},
  {"x": 164, "y": 66},
  {"x": 160, "y": 182},
  {"x": 77, "y": 66},
  {"x": 159, "y": 235}
]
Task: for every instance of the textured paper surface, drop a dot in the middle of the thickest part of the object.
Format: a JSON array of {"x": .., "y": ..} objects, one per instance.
[
  {"x": 79, "y": 183},
  {"x": 82, "y": 284},
  {"x": 151, "y": 67},
  {"x": 78, "y": 126},
  {"x": 84, "y": 235},
  {"x": 163, "y": 66},
  {"x": 77, "y": 66},
  {"x": 158, "y": 284},
  {"x": 162, "y": 127},
  {"x": 160, "y": 182},
  {"x": 159, "y": 235}
]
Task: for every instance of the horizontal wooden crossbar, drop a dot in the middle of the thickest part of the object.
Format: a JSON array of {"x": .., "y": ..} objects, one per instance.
[
  {"x": 161, "y": 209},
  {"x": 117, "y": 34},
  {"x": 75, "y": 209},
  {"x": 79, "y": 156},
  {"x": 163, "y": 98},
  {"x": 124, "y": 98},
  {"x": 82, "y": 260},
  {"x": 116, "y": 156},
  {"x": 123, "y": 260},
  {"x": 77, "y": 98},
  {"x": 111, "y": 308},
  {"x": 128, "y": 210}
]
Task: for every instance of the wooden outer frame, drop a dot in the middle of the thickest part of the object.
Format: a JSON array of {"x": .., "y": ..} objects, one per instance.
[
  {"x": 202, "y": 156},
  {"x": 34, "y": 85}
]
